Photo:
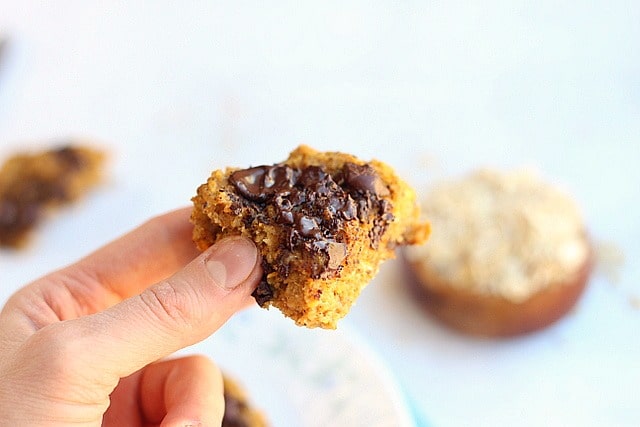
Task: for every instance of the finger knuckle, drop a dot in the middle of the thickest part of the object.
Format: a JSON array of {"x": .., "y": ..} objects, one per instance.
[
  {"x": 169, "y": 304},
  {"x": 55, "y": 349}
]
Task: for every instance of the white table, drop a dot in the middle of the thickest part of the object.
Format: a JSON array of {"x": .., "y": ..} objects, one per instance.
[{"x": 433, "y": 88}]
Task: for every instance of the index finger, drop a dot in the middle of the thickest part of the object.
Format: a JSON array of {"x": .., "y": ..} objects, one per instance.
[
  {"x": 117, "y": 271},
  {"x": 144, "y": 256}
]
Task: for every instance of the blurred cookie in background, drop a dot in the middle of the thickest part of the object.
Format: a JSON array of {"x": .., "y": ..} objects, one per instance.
[
  {"x": 33, "y": 184},
  {"x": 509, "y": 254},
  {"x": 238, "y": 410}
]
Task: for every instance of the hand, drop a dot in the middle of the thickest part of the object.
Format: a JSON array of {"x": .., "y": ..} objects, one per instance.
[{"x": 81, "y": 345}]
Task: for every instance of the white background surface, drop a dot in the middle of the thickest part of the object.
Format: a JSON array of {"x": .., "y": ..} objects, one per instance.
[{"x": 433, "y": 88}]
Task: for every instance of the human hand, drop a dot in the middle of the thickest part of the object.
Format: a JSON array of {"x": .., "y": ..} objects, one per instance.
[{"x": 81, "y": 345}]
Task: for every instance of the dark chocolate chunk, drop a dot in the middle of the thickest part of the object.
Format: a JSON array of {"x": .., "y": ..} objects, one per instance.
[
  {"x": 336, "y": 251},
  {"x": 248, "y": 183},
  {"x": 364, "y": 178},
  {"x": 259, "y": 183},
  {"x": 313, "y": 206},
  {"x": 307, "y": 226},
  {"x": 262, "y": 293}
]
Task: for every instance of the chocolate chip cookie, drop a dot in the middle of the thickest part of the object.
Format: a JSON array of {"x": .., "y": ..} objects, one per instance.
[
  {"x": 32, "y": 184},
  {"x": 323, "y": 223}
]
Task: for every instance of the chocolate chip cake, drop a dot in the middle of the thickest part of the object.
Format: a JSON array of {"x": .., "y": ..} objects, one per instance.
[
  {"x": 31, "y": 184},
  {"x": 323, "y": 223}
]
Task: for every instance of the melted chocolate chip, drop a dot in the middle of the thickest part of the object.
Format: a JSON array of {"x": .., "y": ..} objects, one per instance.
[
  {"x": 365, "y": 179},
  {"x": 313, "y": 206},
  {"x": 259, "y": 183},
  {"x": 262, "y": 293},
  {"x": 307, "y": 226}
]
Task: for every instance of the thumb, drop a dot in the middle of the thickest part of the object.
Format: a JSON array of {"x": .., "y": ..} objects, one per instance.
[{"x": 174, "y": 313}]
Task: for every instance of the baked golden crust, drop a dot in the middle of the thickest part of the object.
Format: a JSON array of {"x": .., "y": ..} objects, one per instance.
[
  {"x": 32, "y": 184},
  {"x": 509, "y": 255},
  {"x": 328, "y": 222}
]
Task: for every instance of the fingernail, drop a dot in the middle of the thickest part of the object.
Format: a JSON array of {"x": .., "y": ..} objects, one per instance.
[{"x": 231, "y": 261}]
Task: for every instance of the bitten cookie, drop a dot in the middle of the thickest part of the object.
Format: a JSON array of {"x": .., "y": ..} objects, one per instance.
[
  {"x": 509, "y": 254},
  {"x": 323, "y": 222},
  {"x": 31, "y": 184}
]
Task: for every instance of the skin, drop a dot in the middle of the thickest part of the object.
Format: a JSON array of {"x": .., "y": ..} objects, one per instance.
[{"x": 87, "y": 345}]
